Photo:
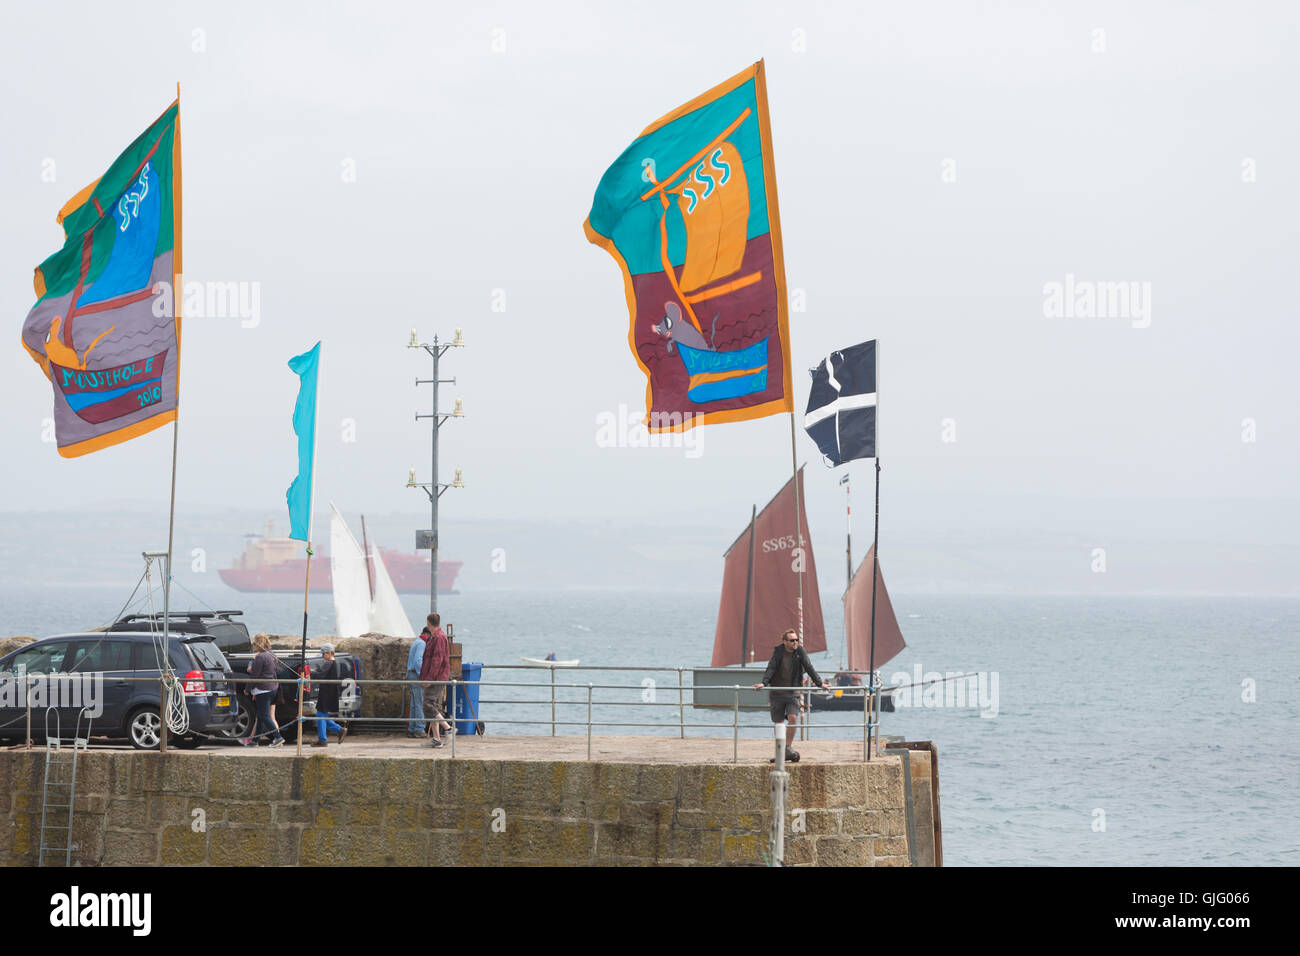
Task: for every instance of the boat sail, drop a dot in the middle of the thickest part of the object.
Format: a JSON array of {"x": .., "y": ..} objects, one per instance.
[
  {"x": 857, "y": 624},
  {"x": 760, "y": 599},
  {"x": 857, "y": 618},
  {"x": 760, "y": 585},
  {"x": 353, "y": 570},
  {"x": 715, "y": 217}
]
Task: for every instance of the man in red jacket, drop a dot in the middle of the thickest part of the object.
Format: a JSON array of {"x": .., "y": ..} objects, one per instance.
[{"x": 436, "y": 667}]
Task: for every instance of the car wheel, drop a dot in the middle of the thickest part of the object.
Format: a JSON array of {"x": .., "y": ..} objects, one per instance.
[
  {"x": 145, "y": 729},
  {"x": 245, "y": 721}
]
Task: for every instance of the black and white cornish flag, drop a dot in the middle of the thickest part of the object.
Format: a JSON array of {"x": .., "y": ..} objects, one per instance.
[{"x": 841, "y": 416}]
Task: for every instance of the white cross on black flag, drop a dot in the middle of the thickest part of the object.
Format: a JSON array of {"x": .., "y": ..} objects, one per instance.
[{"x": 841, "y": 415}]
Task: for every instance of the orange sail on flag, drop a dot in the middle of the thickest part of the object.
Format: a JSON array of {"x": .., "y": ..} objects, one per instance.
[
  {"x": 857, "y": 617},
  {"x": 761, "y": 570}
]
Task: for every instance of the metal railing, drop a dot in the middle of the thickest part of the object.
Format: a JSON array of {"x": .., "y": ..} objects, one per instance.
[
  {"x": 582, "y": 695},
  {"x": 456, "y": 689}
]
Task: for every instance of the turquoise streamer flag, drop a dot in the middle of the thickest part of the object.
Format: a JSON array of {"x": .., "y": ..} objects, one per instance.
[{"x": 299, "y": 495}]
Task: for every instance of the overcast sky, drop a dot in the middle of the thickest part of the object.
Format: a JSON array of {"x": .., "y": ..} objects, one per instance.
[{"x": 375, "y": 167}]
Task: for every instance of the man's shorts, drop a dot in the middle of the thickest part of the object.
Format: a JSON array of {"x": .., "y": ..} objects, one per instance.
[
  {"x": 783, "y": 706},
  {"x": 433, "y": 698}
]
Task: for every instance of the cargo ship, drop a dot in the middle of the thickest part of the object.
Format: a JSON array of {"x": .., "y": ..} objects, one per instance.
[{"x": 273, "y": 564}]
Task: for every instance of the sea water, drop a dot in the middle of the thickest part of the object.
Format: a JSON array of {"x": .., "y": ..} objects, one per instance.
[{"x": 1123, "y": 730}]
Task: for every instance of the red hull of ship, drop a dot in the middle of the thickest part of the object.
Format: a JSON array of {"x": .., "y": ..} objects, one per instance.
[{"x": 410, "y": 575}]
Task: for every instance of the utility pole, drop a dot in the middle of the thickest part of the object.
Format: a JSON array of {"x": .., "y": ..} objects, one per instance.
[{"x": 434, "y": 488}]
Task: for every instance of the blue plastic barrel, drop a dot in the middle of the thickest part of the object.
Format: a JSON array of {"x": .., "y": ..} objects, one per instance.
[{"x": 467, "y": 699}]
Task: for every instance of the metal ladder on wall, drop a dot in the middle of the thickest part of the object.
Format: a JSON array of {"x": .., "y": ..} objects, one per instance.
[{"x": 60, "y": 789}]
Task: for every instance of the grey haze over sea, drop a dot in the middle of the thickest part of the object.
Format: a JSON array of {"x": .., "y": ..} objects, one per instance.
[{"x": 1127, "y": 710}]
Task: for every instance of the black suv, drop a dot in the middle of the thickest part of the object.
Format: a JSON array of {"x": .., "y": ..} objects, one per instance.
[
  {"x": 126, "y": 707},
  {"x": 232, "y": 637}
]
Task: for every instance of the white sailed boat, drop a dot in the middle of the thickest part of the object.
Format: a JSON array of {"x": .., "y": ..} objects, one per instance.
[
  {"x": 365, "y": 601},
  {"x": 539, "y": 662}
]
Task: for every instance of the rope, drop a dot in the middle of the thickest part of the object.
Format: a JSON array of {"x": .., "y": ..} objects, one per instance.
[
  {"x": 175, "y": 712},
  {"x": 130, "y": 599},
  {"x": 178, "y": 714},
  {"x": 193, "y": 595}
]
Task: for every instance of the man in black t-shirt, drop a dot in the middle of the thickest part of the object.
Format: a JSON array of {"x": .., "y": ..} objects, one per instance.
[{"x": 785, "y": 670}]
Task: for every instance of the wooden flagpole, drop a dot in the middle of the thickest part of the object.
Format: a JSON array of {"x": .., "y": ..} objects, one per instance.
[
  {"x": 306, "y": 590},
  {"x": 798, "y": 532},
  {"x": 306, "y": 587}
]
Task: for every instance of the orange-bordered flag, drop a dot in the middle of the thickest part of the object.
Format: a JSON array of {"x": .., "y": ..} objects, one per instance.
[
  {"x": 689, "y": 212},
  {"x": 105, "y": 329}
]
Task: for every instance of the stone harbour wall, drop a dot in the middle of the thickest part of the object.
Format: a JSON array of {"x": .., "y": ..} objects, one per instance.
[{"x": 235, "y": 809}]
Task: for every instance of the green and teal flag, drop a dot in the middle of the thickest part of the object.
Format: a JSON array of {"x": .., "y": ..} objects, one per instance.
[
  {"x": 105, "y": 328},
  {"x": 689, "y": 213},
  {"x": 307, "y": 367}
]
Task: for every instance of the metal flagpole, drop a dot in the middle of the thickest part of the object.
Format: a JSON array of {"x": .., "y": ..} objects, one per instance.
[
  {"x": 875, "y": 551},
  {"x": 875, "y": 572},
  {"x": 177, "y": 269},
  {"x": 306, "y": 585},
  {"x": 848, "y": 561}
]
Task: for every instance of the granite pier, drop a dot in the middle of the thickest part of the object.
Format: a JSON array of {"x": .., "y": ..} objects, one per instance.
[{"x": 500, "y": 801}]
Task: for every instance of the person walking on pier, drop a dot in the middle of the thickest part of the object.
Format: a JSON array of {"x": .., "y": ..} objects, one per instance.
[
  {"x": 436, "y": 667},
  {"x": 414, "y": 663},
  {"x": 327, "y": 700},
  {"x": 264, "y": 692},
  {"x": 786, "y": 669}
]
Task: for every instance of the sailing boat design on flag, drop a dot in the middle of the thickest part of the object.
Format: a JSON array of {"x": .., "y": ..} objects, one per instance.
[
  {"x": 105, "y": 329},
  {"x": 689, "y": 212}
]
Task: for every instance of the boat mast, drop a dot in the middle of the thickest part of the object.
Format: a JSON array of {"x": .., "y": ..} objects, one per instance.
[
  {"x": 365, "y": 545},
  {"x": 749, "y": 588}
]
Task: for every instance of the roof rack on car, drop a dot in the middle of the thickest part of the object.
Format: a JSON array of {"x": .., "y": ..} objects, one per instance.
[{"x": 190, "y": 615}]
